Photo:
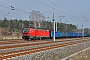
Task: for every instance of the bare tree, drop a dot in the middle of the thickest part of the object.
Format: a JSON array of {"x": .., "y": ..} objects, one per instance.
[
  {"x": 33, "y": 17},
  {"x": 37, "y": 19}
]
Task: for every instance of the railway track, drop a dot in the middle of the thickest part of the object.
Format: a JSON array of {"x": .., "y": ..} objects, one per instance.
[
  {"x": 19, "y": 48},
  {"x": 23, "y": 41}
]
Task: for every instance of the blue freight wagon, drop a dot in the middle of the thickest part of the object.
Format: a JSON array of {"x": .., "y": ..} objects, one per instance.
[
  {"x": 87, "y": 35},
  {"x": 80, "y": 34},
  {"x": 57, "y": 34},
  {"x": 75, "y": 34},
  {"x": 70, "y": 34},
  {"x": 64, "y": 34}
]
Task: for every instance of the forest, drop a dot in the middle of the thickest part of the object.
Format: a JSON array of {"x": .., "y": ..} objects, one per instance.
[{"x": 18, "y": 25}]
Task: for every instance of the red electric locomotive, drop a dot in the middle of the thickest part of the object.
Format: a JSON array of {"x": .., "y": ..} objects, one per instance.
[{"x": 31, "y": 33}]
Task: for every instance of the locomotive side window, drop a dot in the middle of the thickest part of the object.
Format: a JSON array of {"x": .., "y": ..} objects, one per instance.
[{"x": 26, "y": 30}]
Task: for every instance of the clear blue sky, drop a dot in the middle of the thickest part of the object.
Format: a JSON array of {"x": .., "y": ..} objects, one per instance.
[{"x": 73, "y": 10}]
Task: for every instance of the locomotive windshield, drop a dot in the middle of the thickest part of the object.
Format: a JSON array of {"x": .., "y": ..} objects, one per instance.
[{"x": 26, "y": 30}]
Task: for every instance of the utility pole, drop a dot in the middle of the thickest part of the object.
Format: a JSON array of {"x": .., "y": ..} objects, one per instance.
[
  {"x": 39, "y": 24},
  {"x": 77, "y": 30},
  {"x": 82, "y": 31},
  {"x": 60, "y": 20},
  {"x": 29, "y": 19},
  {"x": 54, "y": 26}
]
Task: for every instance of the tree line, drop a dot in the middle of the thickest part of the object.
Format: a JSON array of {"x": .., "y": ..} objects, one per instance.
[{"x": 18, "y": 25}]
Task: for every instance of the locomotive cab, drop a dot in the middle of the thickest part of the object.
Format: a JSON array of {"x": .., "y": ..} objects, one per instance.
[{"x": 26, "y": 33}]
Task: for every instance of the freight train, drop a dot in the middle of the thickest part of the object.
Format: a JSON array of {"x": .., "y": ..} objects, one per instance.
[{"x": 31, "y": 33}]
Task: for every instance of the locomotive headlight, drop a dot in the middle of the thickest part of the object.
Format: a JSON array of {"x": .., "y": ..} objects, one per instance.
[{"x": 28, "y": 35}]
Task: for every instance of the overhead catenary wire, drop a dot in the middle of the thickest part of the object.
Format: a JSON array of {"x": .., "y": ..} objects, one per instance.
[
  {"x": 64, "y": 8},
  {"x": 26, "y": 6},
  {"x": 23, "y": 5},
  {"x": 5, "y": 16},
  {"x": 8, "y": 15},
  {"x": 56, "y": 9},
  {"x": 53, "y": 8},
  {"x": 10, "y": 8},
  {"x": 20, "y": 4},
  {"x": 43, "y": 4}
]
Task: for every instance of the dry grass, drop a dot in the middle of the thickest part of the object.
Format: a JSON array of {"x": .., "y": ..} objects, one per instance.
[{"x": 10, "y": 37}]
